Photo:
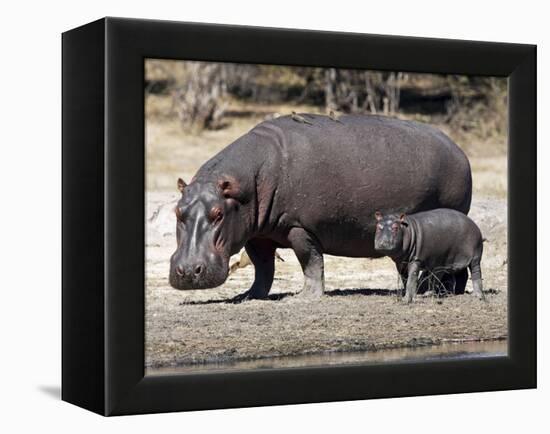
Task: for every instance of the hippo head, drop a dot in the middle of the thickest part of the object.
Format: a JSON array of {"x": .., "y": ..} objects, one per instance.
[
  {"x": 209, "y": 228},
  {"x": 389, "y": 233}
]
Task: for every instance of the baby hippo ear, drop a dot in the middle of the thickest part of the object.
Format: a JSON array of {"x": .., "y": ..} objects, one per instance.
[
  {"x": 378, "y": 215},
  {"x": 402, "y": 220},
  {"x": 181, "y": 185}
]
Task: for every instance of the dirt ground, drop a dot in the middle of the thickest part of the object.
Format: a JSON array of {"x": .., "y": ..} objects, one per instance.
[{"x": 361, "y": 309}]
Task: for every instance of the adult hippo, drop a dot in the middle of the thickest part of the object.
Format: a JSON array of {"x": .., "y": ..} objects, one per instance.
[{"x": 313, "y": 187}]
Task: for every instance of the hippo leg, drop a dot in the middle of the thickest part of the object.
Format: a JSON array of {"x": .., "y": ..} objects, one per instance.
[
  {"x": 262, "y": 254},
  {"x": 461, "y": 278},
  {"x": 310, "y": 256},
  {"x": 402, "y": 271},
  {"x": 412, "y": 281},
  {"x": 475, "y": 269},
  {"x": 446, "y": 283}
]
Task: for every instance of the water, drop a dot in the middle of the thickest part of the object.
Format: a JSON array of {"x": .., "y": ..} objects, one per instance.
[{"x": 446, "y": 351}]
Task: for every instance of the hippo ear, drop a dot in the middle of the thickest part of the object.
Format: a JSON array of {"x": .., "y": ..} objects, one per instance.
[
  {"x": 231, "y": 189},
  {"x": 402, "y": 220},
  {"x": 181, "y": 185},
  {"x": 226, "y": 187},
  {"x": 378, "y": 216}
]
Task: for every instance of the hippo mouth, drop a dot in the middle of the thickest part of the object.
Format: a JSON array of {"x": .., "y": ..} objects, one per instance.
[
  {"x": 384, "y": 248},
  {"x": 210, "y": 277}
]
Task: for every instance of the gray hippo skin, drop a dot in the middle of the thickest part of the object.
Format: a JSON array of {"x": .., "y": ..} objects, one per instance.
[
  {"x": 441, "y": 240},
  {"x": 312, "y": 187}
]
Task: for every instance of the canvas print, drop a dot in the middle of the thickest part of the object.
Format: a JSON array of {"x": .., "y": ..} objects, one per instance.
[{"x": 305, "y": 216}]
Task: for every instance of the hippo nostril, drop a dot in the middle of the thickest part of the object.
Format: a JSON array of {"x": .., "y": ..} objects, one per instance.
[
  {"x": 179, "y": 271},
  {"x": 198, "y": 269}
]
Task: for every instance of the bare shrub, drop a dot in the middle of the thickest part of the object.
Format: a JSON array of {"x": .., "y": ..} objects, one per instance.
[
  {"x": 355, "y": 91},
  {"x": 200, "y": 96},
  {"x": 478, "y": 108},
  {"x": 472, "y": 109},
  {"x": 198, "y": 91}
]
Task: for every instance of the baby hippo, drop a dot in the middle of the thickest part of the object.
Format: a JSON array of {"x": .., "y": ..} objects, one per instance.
[{"x": 441, "y": 240}]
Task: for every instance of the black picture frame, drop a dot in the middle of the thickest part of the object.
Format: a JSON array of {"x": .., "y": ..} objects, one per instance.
[{"x": 103, "y": 216}]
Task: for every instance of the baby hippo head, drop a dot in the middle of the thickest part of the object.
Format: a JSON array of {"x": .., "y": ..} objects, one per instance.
[{"x": 389, "y": 233}]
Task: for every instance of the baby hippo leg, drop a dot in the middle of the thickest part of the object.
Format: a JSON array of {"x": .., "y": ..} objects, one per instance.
[
  {"x": 475, "y": 269},
  {"x": 412, "y": 282}
]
